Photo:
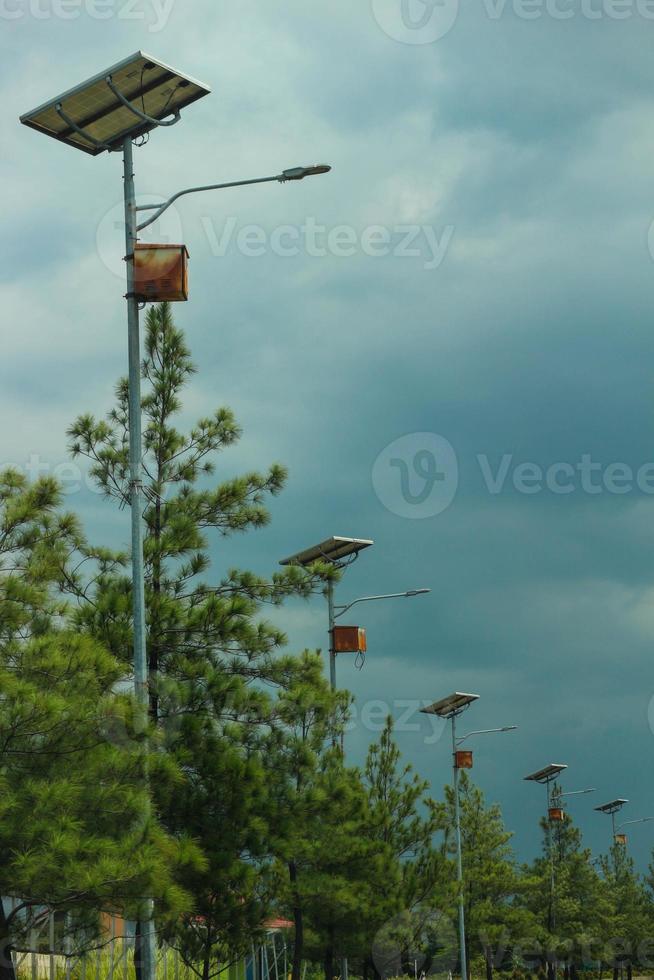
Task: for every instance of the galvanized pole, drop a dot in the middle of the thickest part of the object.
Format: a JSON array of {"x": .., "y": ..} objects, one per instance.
[
  {"x": 332, "y": 681},
  {"x": 459, "y": 858},
  {"x": 332, "y": 623},
  {"x": 550, "y": 847},
  {"x": 147, "y": 943}
]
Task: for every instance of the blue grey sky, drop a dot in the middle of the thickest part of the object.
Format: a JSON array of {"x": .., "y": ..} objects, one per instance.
[{"x": 474, "y": 279}]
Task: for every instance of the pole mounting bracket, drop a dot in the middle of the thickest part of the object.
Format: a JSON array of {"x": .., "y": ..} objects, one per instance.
[
  {"x": 78, "y": 129},
  {"x": 143, "y": 116}
]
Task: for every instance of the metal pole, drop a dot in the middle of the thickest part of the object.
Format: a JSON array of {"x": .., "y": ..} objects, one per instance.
[
  {"x": 459, "y": 858},
  {"x": 550, "y": 847},
  {"x": 148, "y": 951},
  {"x": 332, "y": 622},
  {"x": 332, "y": 681}
]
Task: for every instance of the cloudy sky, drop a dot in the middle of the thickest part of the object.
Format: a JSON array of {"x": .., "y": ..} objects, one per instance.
[{"x": 449, "y": 340}]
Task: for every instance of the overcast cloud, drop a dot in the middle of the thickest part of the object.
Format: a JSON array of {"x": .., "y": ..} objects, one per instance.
[{"x": 476, "y": 268}]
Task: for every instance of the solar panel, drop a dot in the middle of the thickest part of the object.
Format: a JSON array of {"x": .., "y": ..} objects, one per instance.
[
  {"x": 91, "y": 117},
  {"x": 450, "y": 705},
  {"x": 611, "y": 807},
  {"x": 333, "y": 549},
  {"x": 548, "y": 773}
]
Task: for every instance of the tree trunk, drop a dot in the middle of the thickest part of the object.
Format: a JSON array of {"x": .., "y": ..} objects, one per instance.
[
  {"x": 329, "y": 955},
  {"x": 298, "y": 919},
  {"x": 551, "y": 970},
  {"x": 153, "y": 638},
  {"x": 616, "y": 971},
  {"x": 7, "y": 971},
  {"x": 629, "y": 970},
  {"x": 138, "y": 951},
  {"x": 488, "y": 957}
]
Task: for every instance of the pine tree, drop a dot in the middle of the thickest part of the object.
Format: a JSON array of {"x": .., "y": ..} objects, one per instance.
[
  {"x": 75, "y": 830},
  {"x": 212, "y": 658},
  {"x": 406, "y": 820},
  {"x": 631, "y": 911},
  {"x": 564, "y": 892},
  {"x": 306, "y": 716}
]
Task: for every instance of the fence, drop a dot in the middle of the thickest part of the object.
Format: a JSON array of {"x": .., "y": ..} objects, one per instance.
[{"x": 114, "y": 958}]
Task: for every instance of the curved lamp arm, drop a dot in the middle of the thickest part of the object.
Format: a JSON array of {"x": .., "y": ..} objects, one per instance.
[
  {"x": 487, "y": 731},
  {"x": 374, "y": 598},
  {"x": 295, "y": 173},
  {"x": 627, "y": 822}
]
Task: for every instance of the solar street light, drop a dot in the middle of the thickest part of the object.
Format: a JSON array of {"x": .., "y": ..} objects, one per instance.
[
  {"x": 340, "y": 552},
  {"x": 613, "y": 807},
  {"x": 451, "y": 707},
  {"x": 610, "y": 809},
  {"x": 107, "y": 113},
  {"x": 545, "y": 777}
]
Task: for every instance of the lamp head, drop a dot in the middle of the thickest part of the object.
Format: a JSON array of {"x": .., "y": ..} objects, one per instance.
[{"x": 299, "y": 173}]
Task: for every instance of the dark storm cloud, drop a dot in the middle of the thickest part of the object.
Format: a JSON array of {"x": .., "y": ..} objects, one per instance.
[{"x": 530, "y": 338}]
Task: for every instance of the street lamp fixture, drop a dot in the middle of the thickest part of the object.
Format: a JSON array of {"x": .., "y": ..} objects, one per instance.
[
  {"x": 451, "y": 707},
  {"x": 107, "y": 113},
  {"x": 299, "y": 173}
]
